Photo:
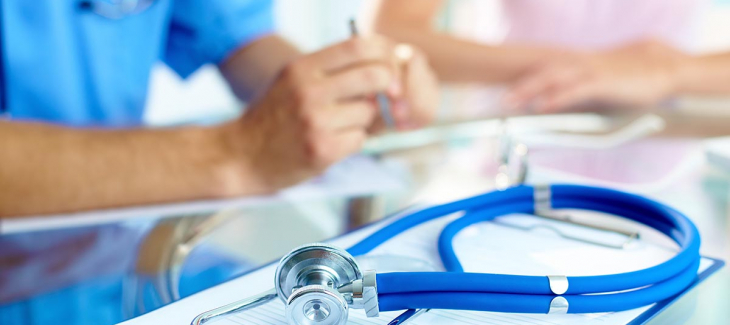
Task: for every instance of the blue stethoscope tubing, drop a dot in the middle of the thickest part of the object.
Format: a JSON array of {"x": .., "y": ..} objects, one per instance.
[{"x": 456, "y": 289}]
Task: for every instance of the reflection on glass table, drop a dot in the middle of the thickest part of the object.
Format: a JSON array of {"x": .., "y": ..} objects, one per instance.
[{"x": 96, "y": 275}]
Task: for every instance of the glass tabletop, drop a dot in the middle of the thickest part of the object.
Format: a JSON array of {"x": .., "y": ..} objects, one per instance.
[{"x": 110, "y": 272}]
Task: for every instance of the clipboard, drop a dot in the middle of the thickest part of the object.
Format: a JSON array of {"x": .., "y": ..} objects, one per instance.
[
  {"x": 661, "y": 306},
  {"x": 259, "y": 279}
]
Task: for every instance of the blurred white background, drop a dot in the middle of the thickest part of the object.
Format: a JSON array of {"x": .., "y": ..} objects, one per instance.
[{"x": 312, "y": 24}]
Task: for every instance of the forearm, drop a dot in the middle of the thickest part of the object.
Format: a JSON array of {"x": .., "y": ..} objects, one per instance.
[
  {"x": 46, "y": 169},
  {"x": 251, "y": 69},
  {"x": 457, "y": 60},
  {"x": 704, "y": 75}
]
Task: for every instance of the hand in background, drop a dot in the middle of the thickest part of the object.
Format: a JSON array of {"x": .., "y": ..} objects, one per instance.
[
  {"x": 639, "y": 74},
  {"x": 417, "y": 104}
]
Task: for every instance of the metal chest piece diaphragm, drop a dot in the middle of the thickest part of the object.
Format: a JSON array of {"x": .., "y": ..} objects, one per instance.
[
  {"x": 316, "y": 305},
  {"x": 307, "y": 281}
]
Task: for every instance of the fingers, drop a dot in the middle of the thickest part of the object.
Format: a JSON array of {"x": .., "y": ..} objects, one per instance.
[
  {"x": 361, "y": 68},
  {"x": 546, "y": 82},
  {"x": 355, "y": 68},
  {"x": 421, "y": 92},
  {"x": 570, "y": 96},
  {"x": 400, "y": 108},
  {"x": 332, "y": 133},
  {"x": 353, "y": 51},
  {"x": 361, "y": 81},
  {"x": 359, "y": 114},
  {"x": 543, "y": 79},
  {"x": 324, "y": 149}
]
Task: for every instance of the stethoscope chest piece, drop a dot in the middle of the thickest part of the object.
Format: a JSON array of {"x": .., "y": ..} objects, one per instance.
[
  {"x": 319, "y": 282},
  {"x": 316, "y": 304}
]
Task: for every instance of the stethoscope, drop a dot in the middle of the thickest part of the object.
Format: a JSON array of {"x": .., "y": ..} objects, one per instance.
[
  {"x": 115, "y": 9},
  {"x": 319, "y": 283}
]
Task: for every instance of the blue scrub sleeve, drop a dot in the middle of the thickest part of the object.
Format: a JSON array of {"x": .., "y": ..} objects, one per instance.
[{"x": 208, "y": 31}]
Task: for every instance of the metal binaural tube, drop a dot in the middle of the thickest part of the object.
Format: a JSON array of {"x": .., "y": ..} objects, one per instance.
[{"x": 235, "y": 307}]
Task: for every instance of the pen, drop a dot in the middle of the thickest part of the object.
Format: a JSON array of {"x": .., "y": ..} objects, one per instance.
[
  {"x": 407, "y": 316},
  {"x": 381, "y": 98}
]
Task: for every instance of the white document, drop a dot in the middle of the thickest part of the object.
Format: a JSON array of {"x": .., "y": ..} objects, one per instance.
[{"x": 487, "y": 247}]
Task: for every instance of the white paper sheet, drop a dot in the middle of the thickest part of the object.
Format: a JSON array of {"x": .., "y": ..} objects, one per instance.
[{"x": 487, "y": 247}]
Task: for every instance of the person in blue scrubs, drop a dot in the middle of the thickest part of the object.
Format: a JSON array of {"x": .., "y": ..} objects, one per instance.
[{"x": 75, "y": 78}]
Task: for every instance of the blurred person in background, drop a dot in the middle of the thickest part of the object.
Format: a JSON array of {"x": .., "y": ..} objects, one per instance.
[
  {"x": 75, "y": 81},
  {"x": 564, "y": 54}
]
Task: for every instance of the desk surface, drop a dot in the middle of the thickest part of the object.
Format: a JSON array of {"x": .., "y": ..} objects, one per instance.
[{"x": 107, "y": 273}]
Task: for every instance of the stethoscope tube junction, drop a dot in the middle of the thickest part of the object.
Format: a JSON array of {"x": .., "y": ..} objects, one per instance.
[{"x": 319, "y": 283}]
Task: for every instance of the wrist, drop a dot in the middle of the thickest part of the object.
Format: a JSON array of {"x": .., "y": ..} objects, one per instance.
[
  {"x": 684, "y": 75},
  {"x": 235, "y": 173}
]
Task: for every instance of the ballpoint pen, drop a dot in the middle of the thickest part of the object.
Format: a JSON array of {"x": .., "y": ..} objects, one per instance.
[
  {"x": 407, "y": 316},
  {"x": 382, "y": 99}
]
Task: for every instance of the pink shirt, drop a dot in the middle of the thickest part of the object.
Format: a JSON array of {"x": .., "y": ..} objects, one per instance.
[{"x": 597, "y": 24}]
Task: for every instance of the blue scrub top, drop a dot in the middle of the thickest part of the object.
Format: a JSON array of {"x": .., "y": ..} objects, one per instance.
[{"x": 68, "y": 65}]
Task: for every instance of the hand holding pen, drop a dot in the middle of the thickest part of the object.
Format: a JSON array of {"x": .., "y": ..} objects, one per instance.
[{"x": 322, "y": 107}]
